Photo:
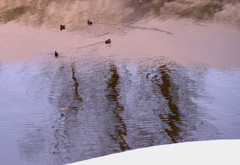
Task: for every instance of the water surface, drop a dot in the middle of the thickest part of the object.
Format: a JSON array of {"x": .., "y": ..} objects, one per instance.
[{"x": 170, "y": 75}]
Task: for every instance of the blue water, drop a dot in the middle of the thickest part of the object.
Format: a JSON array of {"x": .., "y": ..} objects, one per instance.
[{"x": 170, "y": 75}]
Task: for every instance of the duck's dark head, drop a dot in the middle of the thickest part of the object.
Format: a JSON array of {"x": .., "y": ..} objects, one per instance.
[
  {"x": 62, "y": 27},
  {"x": 89, "y": 22},
  {"x": 108, "y": 41}
]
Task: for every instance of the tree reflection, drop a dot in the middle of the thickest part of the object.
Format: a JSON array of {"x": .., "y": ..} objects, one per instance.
[
  {"x": 115, "y": 108},
  {"x": 88, "y": 113},
  {"x": 76, "y": 84},
  {"x": 66, "y": 125},
  {"x": 173, "y": 117},
  {"x": 101, "y": 108},
  {"x": 13, "y": 14},
  {"x": 64, "y": 94},
  {"x": 168, "y": 112},
  {"x": 176, "y": 110},
  {"x": 52, "y": 13}
]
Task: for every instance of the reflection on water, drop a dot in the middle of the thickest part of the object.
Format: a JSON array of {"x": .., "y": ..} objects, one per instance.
[
  {"x": 75, "y": 13},
  {"x": 173, "y": 118},
  {"x": 135, "y": 27},
  {"x": 115, "y": 109},
  {"x": 97, "y": 99},
  {"x": 100, "y": 106}
]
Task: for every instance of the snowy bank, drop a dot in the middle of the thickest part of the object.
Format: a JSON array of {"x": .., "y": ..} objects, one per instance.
[{"x": 213, "y": 152}]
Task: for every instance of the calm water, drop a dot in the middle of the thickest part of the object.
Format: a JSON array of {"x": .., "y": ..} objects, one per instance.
[{"x": 170, "y": 75}]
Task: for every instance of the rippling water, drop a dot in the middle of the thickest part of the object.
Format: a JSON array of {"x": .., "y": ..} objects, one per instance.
[{"x": 170, "y": 75}]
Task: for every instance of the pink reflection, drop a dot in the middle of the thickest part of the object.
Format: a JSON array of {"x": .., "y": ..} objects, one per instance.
[{"x": 65, "y": 108}]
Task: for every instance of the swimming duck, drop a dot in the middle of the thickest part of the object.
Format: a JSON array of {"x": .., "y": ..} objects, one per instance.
[
  {"x": 89, "y": 22},
  {"x": 108, "y": 41},
  {"x": 62, "y": 27},
  {"x": 56, "y": 53}
]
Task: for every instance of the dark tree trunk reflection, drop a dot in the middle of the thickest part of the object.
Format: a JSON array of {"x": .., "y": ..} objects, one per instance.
[
  {"x": 173, "y": 117},
  {"x": 76, "y": 84},
  {"x": 104, "y": 108},
  {"x": 120, "y": 129},
  {"x": 67, "y": 125}
]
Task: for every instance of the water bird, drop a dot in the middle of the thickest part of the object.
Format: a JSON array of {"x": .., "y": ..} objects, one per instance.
[
  {"x": 62, "y": 27},
  {"x": 56, "y": 53},
  {"x": 89, "y": 22},
  {"x": 108, "y": 41}
]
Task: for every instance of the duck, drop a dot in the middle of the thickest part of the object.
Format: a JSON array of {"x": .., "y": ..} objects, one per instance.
[
  {"x": 108, "y": 41},
  {"x": 62, "y": 27},
  {"x": 89, "y": 22},
  {"x": 56, "y": 53}
]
